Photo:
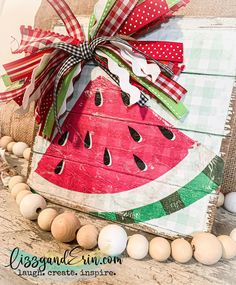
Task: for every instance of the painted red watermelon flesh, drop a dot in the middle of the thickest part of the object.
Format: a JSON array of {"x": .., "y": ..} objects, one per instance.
[{"x": 109, "y": 147}]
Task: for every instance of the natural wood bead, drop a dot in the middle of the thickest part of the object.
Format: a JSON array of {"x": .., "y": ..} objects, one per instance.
[
  {"x": 31, "y": 205},
  {"x": 10, "y": 146},
  {"x": 15, "y": 180},
  {"x": 46, "y": 218},
  {"x": 26, "y": 153},
  {"x": 137, "y": 247},
  {"x": 16, "y": 189},
  {"x": 228, "y": 246},
  {"x": 19, "y": 148},
  {"x": 221, "y": 199},
  {"x": 181, "y": 250},
  {"x": 65, "y": 226},
  {"x": 159, "y": 249},
  {"x": 87, "y": 237},
  {"x": 21, "y": 195},
  {"x": 4, "y": 141},
  {"x": 207, "y": 248}
]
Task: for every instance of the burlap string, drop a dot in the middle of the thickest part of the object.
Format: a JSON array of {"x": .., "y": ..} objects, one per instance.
[
  {"x": 229, "y": 183},
  {"x": 19, "y": 127}
]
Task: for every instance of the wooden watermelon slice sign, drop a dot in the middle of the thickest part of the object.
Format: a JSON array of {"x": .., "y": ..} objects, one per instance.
[{"x": 124, "y": 163}]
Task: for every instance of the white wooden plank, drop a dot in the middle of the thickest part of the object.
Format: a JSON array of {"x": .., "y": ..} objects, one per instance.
[{"x": 207, "y": 100}]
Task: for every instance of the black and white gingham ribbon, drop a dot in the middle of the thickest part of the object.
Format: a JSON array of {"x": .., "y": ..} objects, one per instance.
[{"x": 86, "y": 51}]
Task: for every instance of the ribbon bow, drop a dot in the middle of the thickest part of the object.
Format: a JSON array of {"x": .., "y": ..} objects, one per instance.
[{"x": 134, "y": 65}]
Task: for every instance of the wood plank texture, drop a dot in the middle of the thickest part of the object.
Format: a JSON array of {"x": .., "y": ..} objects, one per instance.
[
  {"x": 209, "y": 8},
  {"x": 196, "y": 8},
  {"x": 205, "y": 78},
  {"x": 46, "y": 18}
]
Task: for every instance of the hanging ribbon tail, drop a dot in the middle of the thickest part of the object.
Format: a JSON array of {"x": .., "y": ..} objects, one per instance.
[
  {"x": 115, "y": 16},
  {"x": 143, "y": 96},
  {"x": 70, "y": 62},
  {"x": 72, "y": 25},
  {"x": 35, "y": 39},
  {"x": 149, "y": 13},
  {"x": 64, "y": 95},
  {"x": 142, "y": 62}
]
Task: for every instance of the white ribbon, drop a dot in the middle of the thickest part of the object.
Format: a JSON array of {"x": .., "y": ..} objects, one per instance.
[
  {"x": 124, "y": 79},
  {"x": 98, "y": 12},
  {"x": 140, "y": 66}
]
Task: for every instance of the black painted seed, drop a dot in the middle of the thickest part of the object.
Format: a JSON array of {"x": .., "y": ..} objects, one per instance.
[
  {"x": 141, "y": 165},
  {"x": 98, "y": 98},
  {"x": 125, "y": 98},
  {"x": 134, "y": 134},
  {"x": 107, "y": 157},
  {"x": 59, "y": 167},
  {"x": 87, "y": 141},
  {"x": 63, "y": 139},
  {"x": 166, "y": 133}
]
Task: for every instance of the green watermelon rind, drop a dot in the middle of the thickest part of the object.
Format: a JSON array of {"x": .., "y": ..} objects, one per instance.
[{"x": 184, "y": 197}]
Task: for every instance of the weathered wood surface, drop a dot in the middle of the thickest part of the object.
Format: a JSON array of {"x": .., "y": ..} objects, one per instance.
[
  {"x": 46, "y": 18},
  {"x": 17, "y": 231},
  {"x": 196, "y": 8},
  {"x": 209, "y": 8}
]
